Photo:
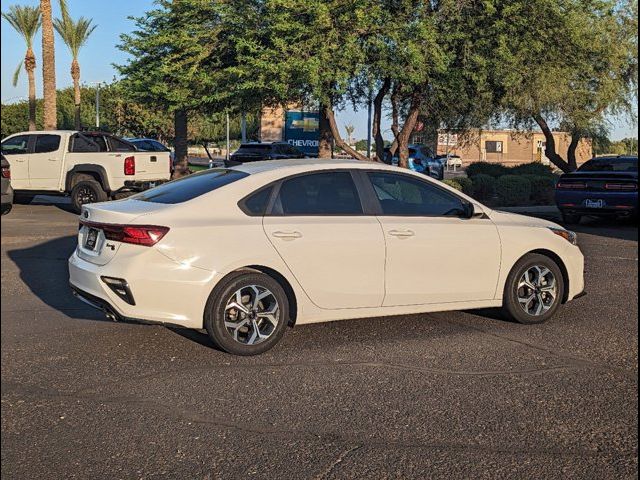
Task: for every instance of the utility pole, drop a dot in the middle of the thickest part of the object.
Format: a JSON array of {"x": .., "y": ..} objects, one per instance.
[
  {"x": 228, "y": 142},
  {"x": 243, "y": 127},
  {"x": 369, "y": 126}
]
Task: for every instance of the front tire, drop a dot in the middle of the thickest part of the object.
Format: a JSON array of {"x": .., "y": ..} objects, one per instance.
[
  {"x": 247, "y": 314},
  {"x": 85, "y": 192},
  {"x": 534, "y": 290}
]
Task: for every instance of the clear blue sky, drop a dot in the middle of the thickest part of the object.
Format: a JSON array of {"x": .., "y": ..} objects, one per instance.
[{"x": 97, "y": 57}]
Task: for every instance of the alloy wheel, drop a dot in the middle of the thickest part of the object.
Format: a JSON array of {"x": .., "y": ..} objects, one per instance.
[
  {"x": 251, "y": 315},
  {"x": 537, "y": 290},
  {"x": 86, "y": 195}
]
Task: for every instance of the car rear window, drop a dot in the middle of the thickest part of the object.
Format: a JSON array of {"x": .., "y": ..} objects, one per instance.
[
  {"x": 191, "y": 186},
  {"x": 258, "y": 148},
  {"x": 610, "y": 165}
]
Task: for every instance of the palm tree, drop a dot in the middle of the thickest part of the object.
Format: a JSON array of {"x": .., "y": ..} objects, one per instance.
[
  {"x": 26, "y": 21},
  {"x": 48, "y": 66},
  {"x": 349, "y": 129},
  {"x": 74, "y": 34}
]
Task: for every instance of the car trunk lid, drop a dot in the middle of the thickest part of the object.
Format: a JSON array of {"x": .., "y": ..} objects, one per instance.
[{"x": 99, "y": 221}]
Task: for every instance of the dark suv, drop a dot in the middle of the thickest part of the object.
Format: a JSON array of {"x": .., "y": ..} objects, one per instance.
[{"x": 253, "y": 152}]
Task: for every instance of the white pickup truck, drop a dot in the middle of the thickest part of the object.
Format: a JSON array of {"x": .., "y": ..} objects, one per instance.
[{"x": 88, "y": 166}]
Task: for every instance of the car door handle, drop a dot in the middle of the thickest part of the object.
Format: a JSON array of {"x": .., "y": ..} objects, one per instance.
[
  {"x": 52, "y": 159},
  {"x": 402, "y": 233},
  {"x": 287, "y": 235}
]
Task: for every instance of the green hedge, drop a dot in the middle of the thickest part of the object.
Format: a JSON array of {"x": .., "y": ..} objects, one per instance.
[
  {"x": 513, "y": 190},
  {"x": 534, "y": 168},
  {"x": 485, "y": 168},
  {"x": 542, "y": 189},
  {"x": 453, "y": 184},
  {"x": 466, "y": 184},
  {"x": 484, "y": 187}
]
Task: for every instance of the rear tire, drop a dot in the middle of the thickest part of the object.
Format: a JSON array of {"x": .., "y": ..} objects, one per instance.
[
  {"x": 571, "y": 218},
  {"x": 85, "y": 192},
  {"x": 247, "y": 313},
  {"x": 534, "y": 290}
]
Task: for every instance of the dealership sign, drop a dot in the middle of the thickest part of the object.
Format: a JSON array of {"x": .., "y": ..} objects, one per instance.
[
  {"x": 450, "y": 139},
  {"x": 302, "y": 130}
]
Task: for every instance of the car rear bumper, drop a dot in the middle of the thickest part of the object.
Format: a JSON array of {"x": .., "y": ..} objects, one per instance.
[
  {"x": 164, "y": 291},
  {"x": 612, "y": 203}
]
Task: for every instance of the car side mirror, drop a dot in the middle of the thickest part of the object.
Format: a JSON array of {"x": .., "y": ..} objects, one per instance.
[{"x": 468, "y": 209}]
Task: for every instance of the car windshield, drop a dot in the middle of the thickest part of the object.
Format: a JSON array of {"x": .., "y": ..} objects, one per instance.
[
  {"x": 610, "y": 165},
  {"x": 191, "y": 186}
]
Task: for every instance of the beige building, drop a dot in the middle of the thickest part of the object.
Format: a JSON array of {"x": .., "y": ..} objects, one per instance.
[{"x": 507, "y": 147}]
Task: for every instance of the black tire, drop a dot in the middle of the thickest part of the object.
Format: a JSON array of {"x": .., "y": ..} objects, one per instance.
[
  {"x": 571, "y": 218},
  {"x": 215, "y": 313},
  {"x": 6, "y": 208},
  {"x": 512, "y": 308},
  {"x": 87, "y": 191}
]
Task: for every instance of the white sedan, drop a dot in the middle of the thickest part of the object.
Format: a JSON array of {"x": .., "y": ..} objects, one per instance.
[{"x": 246, "y": 251}]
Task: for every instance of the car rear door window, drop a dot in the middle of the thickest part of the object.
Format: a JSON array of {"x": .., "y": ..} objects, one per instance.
[
  {"x": 47, "y": 143},
  {"x": 330, "y": 193},
  {"x": 16, "y": 145},
  {"x": 191, "y": 186},
  {"x": 402, "y": 195}
]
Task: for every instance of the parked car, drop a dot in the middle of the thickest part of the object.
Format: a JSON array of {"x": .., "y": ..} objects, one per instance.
[
  {"x": 450, "y": 161},
  {"x": 603, "y": 186},
  {"x": 88, "y": 166},
  {"x": 421, "y": 160},
  {"x": 5, "y": 187},
  {"x": 255, "y": 151},
  {"x": 246, "y": 251}
]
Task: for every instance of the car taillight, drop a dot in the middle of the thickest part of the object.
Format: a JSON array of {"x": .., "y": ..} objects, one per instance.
[
  {"x": 145, "y": 235},
  {"x": 572, "y": 185},
  {"x": 6, "y": 172},
  {"x": 621, "y": 186},
  {"x": 130, "y": 166}
]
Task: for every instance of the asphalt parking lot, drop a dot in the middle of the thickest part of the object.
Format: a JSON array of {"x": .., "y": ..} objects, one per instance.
[{"x": 448, "y": 395}]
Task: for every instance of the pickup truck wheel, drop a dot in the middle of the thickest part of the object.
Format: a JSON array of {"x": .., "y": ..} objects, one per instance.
[{"x": 87, "y": 191}]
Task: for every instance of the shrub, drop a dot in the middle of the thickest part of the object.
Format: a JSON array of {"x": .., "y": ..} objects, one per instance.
[
  {"x": 542, "y": 189},
  {"x": 484, "y": 186},
  {"x": 466, "y": 184},
  {"x": 535, "y": 168},
  {"x": 453, "y": 183},
  {"x": 485, "y": 168},
  {"x": 513, "y": 190}
]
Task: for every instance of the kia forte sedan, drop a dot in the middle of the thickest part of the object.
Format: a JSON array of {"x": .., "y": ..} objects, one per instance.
[{"x": 246, "y": 251}]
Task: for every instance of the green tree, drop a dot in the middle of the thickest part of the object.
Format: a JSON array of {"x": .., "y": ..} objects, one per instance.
[
  {"x": 26, "y": 21},
  {"x": 74, "y": 34},
  {"x": 567, "y": 63},
  {"x": 175, "y": 53}
]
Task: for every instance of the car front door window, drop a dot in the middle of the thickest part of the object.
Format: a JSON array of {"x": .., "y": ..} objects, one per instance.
[
  {"x": 402, "y": 195},
  {"x": 434, "y": 254}
]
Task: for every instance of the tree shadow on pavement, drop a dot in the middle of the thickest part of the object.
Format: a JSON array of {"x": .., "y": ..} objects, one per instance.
[{"x": 43, "y": 269}]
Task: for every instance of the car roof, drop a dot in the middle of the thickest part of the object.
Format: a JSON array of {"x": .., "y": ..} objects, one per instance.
[{"x": 307, "y": 164}]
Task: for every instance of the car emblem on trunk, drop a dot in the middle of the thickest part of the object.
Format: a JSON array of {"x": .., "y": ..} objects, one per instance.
[{"x": 85, "y": 214}]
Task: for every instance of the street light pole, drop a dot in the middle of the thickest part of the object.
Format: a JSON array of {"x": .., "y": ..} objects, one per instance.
[
  {"x": 228, "y": 142},
  {"x": 369, "y": 127}
]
